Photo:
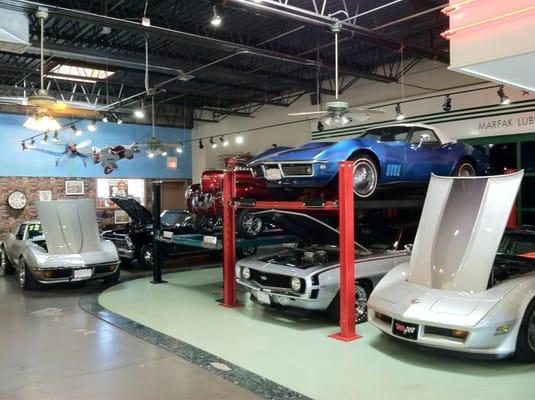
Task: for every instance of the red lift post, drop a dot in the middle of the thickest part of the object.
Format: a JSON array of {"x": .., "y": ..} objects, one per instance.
[{"x": 345, "y": 209}]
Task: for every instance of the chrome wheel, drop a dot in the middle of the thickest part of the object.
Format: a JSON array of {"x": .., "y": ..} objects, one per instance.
[
  {"x": 251, "y": 224},
  {"x": 361, "y": 304},
  {"x": 147, "y": 257},
  {"x": 531, "y": 331},
  {"x": 364, "y": 177},
  {"x": 22, "y": 273},
  {"x": 466, "y": 169}
]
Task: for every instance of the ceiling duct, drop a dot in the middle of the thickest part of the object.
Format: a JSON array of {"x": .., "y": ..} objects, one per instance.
[{"x": 14, "y": 31}]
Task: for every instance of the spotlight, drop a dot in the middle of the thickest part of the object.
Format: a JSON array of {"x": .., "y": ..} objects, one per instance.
[
  {"x": 105, "y": 119},
  {"x": 201, "y": 146},
  {"x": 223, "y": 141},
  {"x": 150, "y": 154},
  {"x": 504, "y": 99},
  {"x": 118, "y": 120},
  {"x": 399, "y": 114},
  {"x": 216, "y": 18},
  {"x": 214, "y": 144},
  {"x": 139, "y": 113},
  {"x": 31, "y": 144},
  {"x": 274, "y": 145},
  {"x": 23, "y": 144},
  {"x": 179, "y": 148},
  {"x": 76, "y": 131},
  {"x": 320, "y": 126},
  {"x": 44, "y": 140},
  {"x": 446, "y": 106},
  {"x": 239, "y": 139},
  {"x": 164, "y": 153},
  {"x": 55, "y": 138},
  {"x": 92, "y": 127}
]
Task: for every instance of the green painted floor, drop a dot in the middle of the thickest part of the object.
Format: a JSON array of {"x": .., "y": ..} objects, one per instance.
[{"x": 296, "y": 352}]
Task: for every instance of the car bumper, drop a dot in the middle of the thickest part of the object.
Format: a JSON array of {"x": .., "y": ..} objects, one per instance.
[
  {"x": 480, "y": 341},
  {"x": 126, "y": 253},
  {"x": 48, "y": 276}
]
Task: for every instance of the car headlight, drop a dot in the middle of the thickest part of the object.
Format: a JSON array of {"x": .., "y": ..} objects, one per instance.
[
  {"x": 245, "y": 273},
  {"x": 296, "y": 284}
]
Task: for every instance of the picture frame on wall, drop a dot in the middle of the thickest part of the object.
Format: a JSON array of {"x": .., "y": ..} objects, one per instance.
[
  {"x": 121, "y": 217},
  {"x": 74, "y": 188},
  {"x": 45, "y": 195}
]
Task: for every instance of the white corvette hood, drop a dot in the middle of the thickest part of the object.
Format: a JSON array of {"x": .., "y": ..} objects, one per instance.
[
  {"x": 460, "y": 228},
  {"x": 69, "y": 226}
]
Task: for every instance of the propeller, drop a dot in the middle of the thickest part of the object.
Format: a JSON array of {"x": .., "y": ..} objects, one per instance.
[{"x": 338, "y": 112}]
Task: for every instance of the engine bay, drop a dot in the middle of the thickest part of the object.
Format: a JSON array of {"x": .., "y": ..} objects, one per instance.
[{"x": 305, "y": 257}]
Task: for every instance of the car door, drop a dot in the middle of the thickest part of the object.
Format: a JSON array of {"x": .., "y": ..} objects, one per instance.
[
  {"x": 392, "y": 152},
  {"x": 14, "y": 243},
  {"x": 426, "y": 155}
]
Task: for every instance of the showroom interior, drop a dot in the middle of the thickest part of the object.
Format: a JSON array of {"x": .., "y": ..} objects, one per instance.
[{"x": 279, "y": 199}]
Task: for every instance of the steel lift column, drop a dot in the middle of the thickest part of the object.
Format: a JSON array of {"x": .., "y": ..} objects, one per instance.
[{"x": 229, "y": 240}]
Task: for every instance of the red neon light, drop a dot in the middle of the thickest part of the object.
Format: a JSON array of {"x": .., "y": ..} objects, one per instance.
[
  {"x": 453, "y": 8},
  {"x": 450, "y": 32}
]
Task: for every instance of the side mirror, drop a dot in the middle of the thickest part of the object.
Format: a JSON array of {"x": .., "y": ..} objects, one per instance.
[{"x": 424, "y": 138}]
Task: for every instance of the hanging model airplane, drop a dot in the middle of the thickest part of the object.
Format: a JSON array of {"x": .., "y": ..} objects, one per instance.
[
  {"x": 71, "y": 150},
  {"x": 109, "y": 155}
]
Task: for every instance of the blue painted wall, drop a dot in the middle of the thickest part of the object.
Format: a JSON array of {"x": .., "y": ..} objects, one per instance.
[{"x": 15, "y": 162}]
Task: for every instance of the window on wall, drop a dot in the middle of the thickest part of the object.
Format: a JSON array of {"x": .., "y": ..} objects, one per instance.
[{"x": 132, "y": 188}]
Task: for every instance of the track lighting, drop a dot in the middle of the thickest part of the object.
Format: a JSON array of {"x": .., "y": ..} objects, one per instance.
[
  {"x": 216, "y": 18},
  {"x": 105, "y": 119},
  {"x": 223, "y": 141},
  {"x": 320, "y": 126},
  {"x": 504, "y": 99},
  {"x": 44, "y": 140},
  {"x": 76, "y": 131},
  {"x": 201, "y": 146},
  {"x": 214, "y": 144},
  {"x": 92, "y": 127},
  {"x": 179, "y": 148},
  {"x": 23, "y": 144},
  {"x": 239, "y": 139},
  {"x": 55, "y": 138},
  {"x": 31, "y": 144},
  {"x": 399, "y": 114},
  {"x": 446, "y": 106},
  {"x": 164, "y": 153},
  {"x": 118, "y": 120}
]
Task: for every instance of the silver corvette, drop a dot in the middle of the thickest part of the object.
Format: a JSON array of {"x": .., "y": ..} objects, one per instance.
[
  {"x": 452, "y": 294},
  {"x": 307, "y": 276},
  {"x": 62, "y": 246}
]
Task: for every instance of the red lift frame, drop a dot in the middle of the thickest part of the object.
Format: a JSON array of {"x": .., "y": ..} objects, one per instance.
[{"x": 345, "y": 209}]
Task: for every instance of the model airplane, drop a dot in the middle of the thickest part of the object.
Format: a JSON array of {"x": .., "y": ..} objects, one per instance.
[
  {"x": 71, "y": 150},
  {"x": 109, "y": 155}
]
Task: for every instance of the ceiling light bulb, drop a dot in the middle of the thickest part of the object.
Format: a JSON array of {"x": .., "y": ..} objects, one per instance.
[
  {"x": 239, "y": 139},
  {"x": 139, "y": 114},
  {"x": 216, "y": 19},
  {"x": 399, "y": 114},
  {"x": 92, "y": 127}
]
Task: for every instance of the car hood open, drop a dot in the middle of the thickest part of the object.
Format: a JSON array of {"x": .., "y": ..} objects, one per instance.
[
  {"x": 69, "y": 226},
  {"x": 139, "y": 214},
  {"x": 305, "y": 227},
  {"x": 462, "y": 223}
]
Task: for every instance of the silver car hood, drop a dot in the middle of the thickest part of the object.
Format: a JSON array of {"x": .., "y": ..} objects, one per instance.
[
  {"x": 69, "y": 226},
  {"x": 460, "y": 228}
]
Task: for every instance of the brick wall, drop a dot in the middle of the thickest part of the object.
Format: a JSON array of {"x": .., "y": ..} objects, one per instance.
[{"x": 31, "y": 187}]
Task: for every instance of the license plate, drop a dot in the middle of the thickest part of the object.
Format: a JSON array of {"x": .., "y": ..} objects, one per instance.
[
  {"x": 405, "y": 330},
  {"x": 262, "y": 297},
  {"x": 273, "y": 174},
  {"x": 82, "y": 273}
]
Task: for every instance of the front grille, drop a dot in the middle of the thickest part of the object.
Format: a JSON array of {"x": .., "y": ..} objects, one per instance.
[
  {"x": 62, "y": 273},
  {"x": 258, "y": 171},
  {"x": 102, "y": 268},
  {"x": 271, "y": 280},
  {"x": 297, "y": 169},
  {"x": 384, "y": 318}
]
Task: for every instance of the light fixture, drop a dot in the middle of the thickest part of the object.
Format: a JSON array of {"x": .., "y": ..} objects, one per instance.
[
  {"x": 179, "y": 148},
  {"x": 201, "y": 146},
  {"x": 105, "y": 118},
  {"x": 446, "y": 106},
  {"x": 239, "y": 139},
  {"x": 504, "y": 99},
  {"x": 223, "y": 141},
  {"x": 55, "y": 138},
  {"x": 77, "y": 131},
  {"x": 41, "y": 123},
  {"x": 150, "y": 154},
  {"x": 399, "y": 114},
  {"x": 139, "y": 113},
  {"x": 118, "y": 120},
  {"x": 336, "y": 121},
  {"x": 320, "y": 126},
  {"x": 31, "y": 144},
  {"x": 213, "y": 143},
  {"x": 164, "y": 153},
  {"x": 216, "y": 18},
  {"x": 92, "y": 127},
  {"x": 44, "y": 139},
  {"x": 23, "y": 144}
]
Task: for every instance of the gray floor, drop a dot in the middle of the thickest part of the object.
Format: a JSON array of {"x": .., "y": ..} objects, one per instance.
[{"x": 52, "y": 349}]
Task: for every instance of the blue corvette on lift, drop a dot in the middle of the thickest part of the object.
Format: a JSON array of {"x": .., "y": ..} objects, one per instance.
[{"x": 393, "y": 154}]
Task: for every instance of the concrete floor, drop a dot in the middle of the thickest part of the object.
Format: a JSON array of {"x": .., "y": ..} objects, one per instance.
[
  {"x": 52, "y": 349},
  {"x": 295, "y": 351}
]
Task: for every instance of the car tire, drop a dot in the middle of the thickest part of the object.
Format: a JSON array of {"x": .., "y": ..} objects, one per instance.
[
  {"x": 113, "y": 278},
  {"x": 248, "y": 225},
  {"x": 25, "y": 278},
  {"x": 365, "y": 175},
  {"x": 146, "y": 258},
  {"x": 525, "y": 342},
  {"x": 204, "y": 224},
  {"x": 464, "y": 168},
  {"x": 362, "y": 294},
  {"x": 5, "y": 266},
  {"x": 245, "y": 252}
]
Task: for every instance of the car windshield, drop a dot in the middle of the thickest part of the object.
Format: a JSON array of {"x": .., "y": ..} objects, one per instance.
[
  {"x": 518, "y": 245},
  {"x": 35, "y": 231},
  {"x": 388, "y": 134},
  {"x": 378, "y": 238}
]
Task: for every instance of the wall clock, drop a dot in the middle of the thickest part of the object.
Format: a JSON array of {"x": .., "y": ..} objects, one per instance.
[{"x": 17, "y": 200}]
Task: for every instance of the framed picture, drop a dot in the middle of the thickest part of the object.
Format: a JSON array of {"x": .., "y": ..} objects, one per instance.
[
  {"x": 45, "y": 195},
  {"x": 121, "y": 217},
  {"x": 74, "y": 188},
  {"x": 118, "y": 188}
]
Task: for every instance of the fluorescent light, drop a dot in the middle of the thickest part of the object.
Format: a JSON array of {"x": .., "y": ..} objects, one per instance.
[
  {"x": 81, "y": 72},
  {"x": 70, "y": 78}
]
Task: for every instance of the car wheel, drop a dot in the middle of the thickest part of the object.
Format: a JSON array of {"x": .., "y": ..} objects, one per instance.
[
  {"x": 464, "y": 168},
  {"x": 205, "y": 224},
  {"x": 525, "y": 342},
  {"x": 245, "y": 252},
  {"x": 146, "y": 257},
  {"x": 365, "y": 176},
  {"x": 113, "y": 278},
  {"x": 25, "y": 278},
  {"x": 5, "y": 265},
  {"x": 362, "y": 293},
  {"x": 248, "y": 225}
]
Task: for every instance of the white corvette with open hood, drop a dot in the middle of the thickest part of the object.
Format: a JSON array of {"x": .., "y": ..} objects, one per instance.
[{"x": 447, "y": 296}]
